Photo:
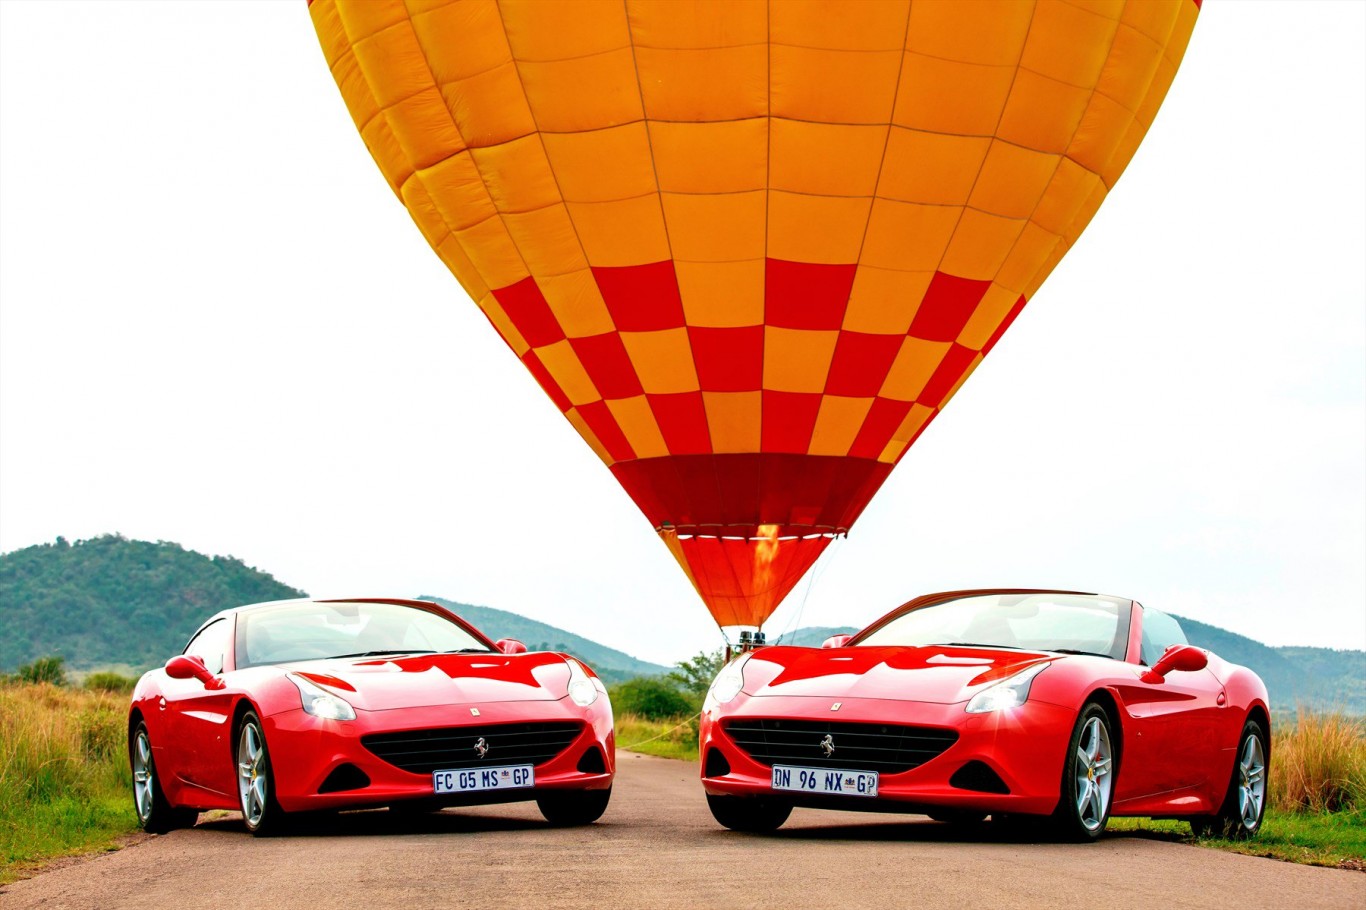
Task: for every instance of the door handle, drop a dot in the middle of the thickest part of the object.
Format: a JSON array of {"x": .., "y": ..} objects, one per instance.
[{"x": 161, "y": 702}]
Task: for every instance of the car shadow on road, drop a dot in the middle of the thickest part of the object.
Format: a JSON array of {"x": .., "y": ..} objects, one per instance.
[
  {"x": 370, "y": 822},
  {"x": 928, "y": 831}
]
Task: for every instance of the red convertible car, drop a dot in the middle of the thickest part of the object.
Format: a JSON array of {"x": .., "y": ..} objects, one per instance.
[
  {"x": 1041, "y": 708},
  {"x": 298, "y": 705}
]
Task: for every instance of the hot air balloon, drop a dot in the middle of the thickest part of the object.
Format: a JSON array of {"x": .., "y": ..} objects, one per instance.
[{"x": 751, "y": 249}]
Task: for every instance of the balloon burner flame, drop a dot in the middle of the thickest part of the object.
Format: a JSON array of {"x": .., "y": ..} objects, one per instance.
[{"x": 765, "y": 551}]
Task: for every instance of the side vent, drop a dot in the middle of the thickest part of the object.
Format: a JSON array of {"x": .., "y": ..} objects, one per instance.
[
  {"x": 717, "y": 766},
  {"x": 592, "y": 762},
  {"x": 345, "y": 777},
  {"x": 978, "y": 776}
]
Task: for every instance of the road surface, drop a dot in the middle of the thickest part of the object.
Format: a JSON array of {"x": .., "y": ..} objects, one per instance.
[{"x": 658, "y": 847}]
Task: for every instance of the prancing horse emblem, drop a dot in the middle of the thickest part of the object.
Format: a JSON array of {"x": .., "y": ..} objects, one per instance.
[
  {"x": 481, "y": 746},
  {"x": 828, "y": 745}
]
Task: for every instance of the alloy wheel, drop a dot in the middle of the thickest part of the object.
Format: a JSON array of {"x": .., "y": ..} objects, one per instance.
[
  {"x": 144, "y": 779},
  {"x": 1095, "y": 761},
  {"x": 252, "y": 779},
  {"x": 1251, "y": 782}
]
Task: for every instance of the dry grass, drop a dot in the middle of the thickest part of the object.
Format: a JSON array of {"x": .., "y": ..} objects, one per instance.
[
  {"x": 675, "y": 737},
  {"x": 64, "y": 773},
  {"x": 1319, "y": 765}
]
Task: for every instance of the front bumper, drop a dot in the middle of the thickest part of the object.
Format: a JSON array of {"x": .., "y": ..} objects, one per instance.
[
  {"x": 1024, "y": 747},
  {"x": 305, "y": 751}
]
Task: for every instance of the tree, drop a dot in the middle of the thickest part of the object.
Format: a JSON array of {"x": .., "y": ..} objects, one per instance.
[
  {"x": 695, "y": 674},
  {"x": 649, "y": 697}
]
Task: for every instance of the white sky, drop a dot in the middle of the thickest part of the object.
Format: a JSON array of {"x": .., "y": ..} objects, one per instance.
[{"x": 219, "y": 327}]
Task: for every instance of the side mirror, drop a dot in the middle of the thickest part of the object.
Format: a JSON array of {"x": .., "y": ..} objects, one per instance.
[
  {"x": 836, "y": 641},
  {"x": 510, "y": 646},
  {"x": 190, "y": 667},
  {"x": 1186, "y": 658}
]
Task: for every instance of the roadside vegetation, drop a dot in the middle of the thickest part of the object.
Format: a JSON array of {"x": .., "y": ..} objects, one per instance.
[
  {"x": 63, "y": 768},
  {"x": 659, "y": 715}
]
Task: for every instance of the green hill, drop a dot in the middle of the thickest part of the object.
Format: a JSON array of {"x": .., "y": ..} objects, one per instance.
[
  {"x": 110, "y": 600},
  {"x": 610, "y": 664},
  {"x": 114, "y": 601},
  {"x": 1322, "y": 679},
  {"x": 812, "y": 636}
]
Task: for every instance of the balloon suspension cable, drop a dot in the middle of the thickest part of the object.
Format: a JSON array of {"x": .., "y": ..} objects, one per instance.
[{"x": 822, "y": 563}]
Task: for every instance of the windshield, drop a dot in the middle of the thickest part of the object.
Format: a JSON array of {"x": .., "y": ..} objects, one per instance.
[
  {"x": 312, "y": 631},
  {"x": 1085, "y": 623}
]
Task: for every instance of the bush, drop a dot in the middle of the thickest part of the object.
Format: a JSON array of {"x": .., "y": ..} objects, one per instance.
[
  {"x": 1320, "y": 765},
  {"x": 649, "y": 697},
  {"x": 115, "y": 683},
  {"x": 45, "y": 670}
]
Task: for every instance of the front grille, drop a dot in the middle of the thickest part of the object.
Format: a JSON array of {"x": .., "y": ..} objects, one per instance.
[
  {"x": 449, "y": 748},
  {"x": 886, "y": 748}
]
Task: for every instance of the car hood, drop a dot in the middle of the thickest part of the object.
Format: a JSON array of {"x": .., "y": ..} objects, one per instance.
[
  {"x": 939, "y": 673},
  {"x": 387, "y": 683}
]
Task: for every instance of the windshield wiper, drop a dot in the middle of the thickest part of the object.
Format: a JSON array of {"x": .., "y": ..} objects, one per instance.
[
  {"x": 978, "y": 644},
  {"x": 381, "y": 653},
  {"x": 1075, "y": 651},
  {"x": 471, "y": 651}
]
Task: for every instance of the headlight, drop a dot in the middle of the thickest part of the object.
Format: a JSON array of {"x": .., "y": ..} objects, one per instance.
[
  {"x": 1009, "y": 693},
  {"x": 727, "y": 683},
  {"x": 321, "y": 703},
  {"x": 581, "y": 689}
]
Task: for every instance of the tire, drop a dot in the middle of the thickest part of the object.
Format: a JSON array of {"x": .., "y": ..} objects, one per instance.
[
  {"x": 1244, "y": 806},
  {"x": 571, "y": 808},
  {"x": 1088, "y": 778},
  {"x": 155, "y": 813},
  {"x": 756, "y": 815},
  {"x": 255, "y": 782}
]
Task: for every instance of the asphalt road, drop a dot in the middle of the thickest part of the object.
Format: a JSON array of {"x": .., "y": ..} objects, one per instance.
[{"x": 658, "y": 847}]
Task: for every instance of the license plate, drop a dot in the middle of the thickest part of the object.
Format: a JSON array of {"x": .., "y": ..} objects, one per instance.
[
  {"x": 504, "y": 777},
  {"x": 825, "y": 780}
]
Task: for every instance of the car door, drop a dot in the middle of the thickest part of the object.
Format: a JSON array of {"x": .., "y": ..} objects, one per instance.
[
  {"x": 198, "y": 719},
  {"x": 1171, "y": 743}
]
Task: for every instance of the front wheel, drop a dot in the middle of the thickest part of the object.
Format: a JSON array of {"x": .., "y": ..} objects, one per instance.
[
  {"x": 255, "y": 782},
  {"x": 1088, "y": 778},
  {"x": 752, "y": 814},
  {"x": 156, "y": 815},
  {"x": 570, "y": 808},
  {"x": 1240, "y": 816}
]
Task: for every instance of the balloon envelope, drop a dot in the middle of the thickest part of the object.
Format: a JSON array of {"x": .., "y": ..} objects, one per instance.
[{"x": 750, "y": 250}]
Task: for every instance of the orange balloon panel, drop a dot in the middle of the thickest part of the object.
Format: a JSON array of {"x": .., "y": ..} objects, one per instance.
[{"x": 750, "y": 250}]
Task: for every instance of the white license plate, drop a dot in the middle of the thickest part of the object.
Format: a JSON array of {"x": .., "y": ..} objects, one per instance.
[
  {"x": 504, "y": 777},
  {"x": 825, "y": 780}
]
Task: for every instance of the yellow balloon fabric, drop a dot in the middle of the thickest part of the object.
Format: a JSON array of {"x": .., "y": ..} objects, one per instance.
[{"x": 751, "y": 249}]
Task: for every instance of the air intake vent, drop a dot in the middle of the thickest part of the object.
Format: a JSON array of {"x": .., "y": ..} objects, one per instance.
[
  {"x": 345, "y": 777},
  {"x": 592, "y": 762},
  {"x": 448, "y": 748},
  {"x": 886, "y": 748},
  {"x": 976, "y": 775},
  {"x": 717, "y": 766}
]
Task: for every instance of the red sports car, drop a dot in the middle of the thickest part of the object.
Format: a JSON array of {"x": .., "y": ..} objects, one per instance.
[
  {"x": 1054, "y": 707},
  {"x": 326, "y": 704}
]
